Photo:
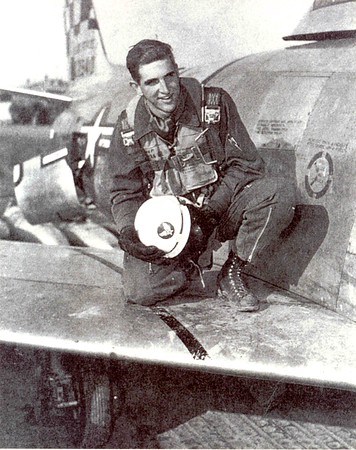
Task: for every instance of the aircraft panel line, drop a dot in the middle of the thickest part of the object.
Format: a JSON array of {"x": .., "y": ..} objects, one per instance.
[{"x": 101, "y": 260}]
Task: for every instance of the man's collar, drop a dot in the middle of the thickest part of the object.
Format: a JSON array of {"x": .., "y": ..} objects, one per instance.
[{"x": 185, "y": 113}]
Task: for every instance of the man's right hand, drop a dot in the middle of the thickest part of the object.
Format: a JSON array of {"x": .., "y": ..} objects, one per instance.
[
  {"x": 130, "y": 243},
  {"x": 206, "y": 218}
]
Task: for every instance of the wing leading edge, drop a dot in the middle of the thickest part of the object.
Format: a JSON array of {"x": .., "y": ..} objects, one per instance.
[{"x": 39, "y": 94}]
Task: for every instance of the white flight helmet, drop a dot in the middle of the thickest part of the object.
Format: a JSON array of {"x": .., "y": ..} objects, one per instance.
[{"x": 164, "y": 222}]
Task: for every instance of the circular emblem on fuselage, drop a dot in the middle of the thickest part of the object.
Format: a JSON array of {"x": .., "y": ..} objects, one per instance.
[
  {"x": 319, "y": 175},
  {"x": 165, "y": 230}
]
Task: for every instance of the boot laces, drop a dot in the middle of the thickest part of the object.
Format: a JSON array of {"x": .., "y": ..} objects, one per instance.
[
  {"x": 234, "y": 277},
  {"x": 229, "y": 278}
]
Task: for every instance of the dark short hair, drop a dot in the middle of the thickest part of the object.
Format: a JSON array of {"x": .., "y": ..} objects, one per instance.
[{"x": 145, "y": 52}]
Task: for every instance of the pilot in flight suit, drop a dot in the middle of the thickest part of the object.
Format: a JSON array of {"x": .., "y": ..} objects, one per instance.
[{"x": 179, "y": 138}]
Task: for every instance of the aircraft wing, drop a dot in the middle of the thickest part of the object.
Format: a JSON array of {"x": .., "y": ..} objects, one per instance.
[
  {"x": 71, "y": 299},
  {"x": 38, "y": 94}
]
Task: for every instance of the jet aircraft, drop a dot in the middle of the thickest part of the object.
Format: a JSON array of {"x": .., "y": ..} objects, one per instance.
[{"x": 66, "y": 301}]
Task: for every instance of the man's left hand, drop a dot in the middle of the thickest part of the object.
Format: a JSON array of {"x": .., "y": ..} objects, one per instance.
[{"x": 206, "y": 218}]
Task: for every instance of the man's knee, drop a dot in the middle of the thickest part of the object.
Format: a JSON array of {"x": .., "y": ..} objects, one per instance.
[
  {"x": 147, "y": 284},
  {"x": 285, "y": 202},
  {"x": 264, "y": 201},
  {"x": 267, "y": 214},
  {"x": 286, "y": 191},
  {"x": 275, "y": 197}
]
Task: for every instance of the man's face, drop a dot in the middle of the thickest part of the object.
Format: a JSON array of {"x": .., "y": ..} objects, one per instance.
[{"x": 159, "y": 84}]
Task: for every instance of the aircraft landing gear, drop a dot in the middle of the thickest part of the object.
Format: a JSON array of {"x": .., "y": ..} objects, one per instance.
[{"x": 75, "y": 393}]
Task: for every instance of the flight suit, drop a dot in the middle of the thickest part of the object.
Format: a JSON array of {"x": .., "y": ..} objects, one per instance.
[{"x": 145, "y": 161}]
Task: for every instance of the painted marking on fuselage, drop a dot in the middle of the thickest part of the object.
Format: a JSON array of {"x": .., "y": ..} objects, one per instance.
[
  {"x": 188, "y": 339},
  {"x": 94, "y": 132}
]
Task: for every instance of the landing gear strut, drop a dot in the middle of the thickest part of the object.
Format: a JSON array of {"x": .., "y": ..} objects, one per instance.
[{"x": 75, "y": 392}]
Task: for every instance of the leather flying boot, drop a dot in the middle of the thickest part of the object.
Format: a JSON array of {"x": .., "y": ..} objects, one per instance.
[{"x": 231, "y": 286}]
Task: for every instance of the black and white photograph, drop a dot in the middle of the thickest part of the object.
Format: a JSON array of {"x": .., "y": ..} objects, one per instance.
[{"x": 178, "y": 224}]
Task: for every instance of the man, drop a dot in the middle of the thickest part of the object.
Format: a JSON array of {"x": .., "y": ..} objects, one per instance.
[{"x": 176, "y": 138}]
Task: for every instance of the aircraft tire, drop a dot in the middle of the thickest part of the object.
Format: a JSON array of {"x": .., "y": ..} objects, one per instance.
[
  {"x": 87, "y": 424},
  {"x": 97, "y": 394}
]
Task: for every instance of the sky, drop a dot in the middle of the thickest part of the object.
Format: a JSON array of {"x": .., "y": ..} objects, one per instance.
[
  {"x": 33, "y": 43},
  {"x": 32, "y": 40}
]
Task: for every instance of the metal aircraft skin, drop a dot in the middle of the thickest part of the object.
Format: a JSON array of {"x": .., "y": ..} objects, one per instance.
[{"x": 298, "y": 105}]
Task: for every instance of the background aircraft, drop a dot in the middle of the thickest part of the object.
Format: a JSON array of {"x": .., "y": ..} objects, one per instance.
[{"x": 298, "y": 105}]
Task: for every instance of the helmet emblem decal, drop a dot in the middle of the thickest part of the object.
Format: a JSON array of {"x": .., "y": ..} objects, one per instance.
[{"x": 165, "y": 230}]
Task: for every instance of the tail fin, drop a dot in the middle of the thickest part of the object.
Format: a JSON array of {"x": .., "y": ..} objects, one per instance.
[{"x": 85, "y": 47}]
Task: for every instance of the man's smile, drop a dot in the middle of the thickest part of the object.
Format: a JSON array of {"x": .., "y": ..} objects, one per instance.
[{"x": 159, "y": 84}]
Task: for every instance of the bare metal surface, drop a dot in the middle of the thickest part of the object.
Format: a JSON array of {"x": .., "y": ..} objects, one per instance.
[
  {"x": 47, "y": 193},
  {"x": 22, "y": 230},
  {"x": 56, "y": 265},
  {"x": 323, "y": 58},
  {"x": 334, "y": 18},
  {"x": 71, "y": 299},
  {"x": 347, "y": 293},
  {"x": 88, "y": 234},
  {"x": 288, "y": 338},
  {"x": 24, "y": 137}
]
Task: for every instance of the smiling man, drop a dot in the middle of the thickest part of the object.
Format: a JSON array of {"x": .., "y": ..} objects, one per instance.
[
  {"x": 159, "y": 84},
  {"x": 181, "y": 139}
]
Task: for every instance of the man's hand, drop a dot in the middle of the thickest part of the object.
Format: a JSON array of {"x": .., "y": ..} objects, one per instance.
[
  {"x": 206, "y": 218},
  {"x": 130, "y": 243},
  {"x": 204, "y": 221}
]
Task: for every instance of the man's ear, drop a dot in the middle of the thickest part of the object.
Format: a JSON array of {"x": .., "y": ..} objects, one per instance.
[{"x": 136, "y": 87}]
